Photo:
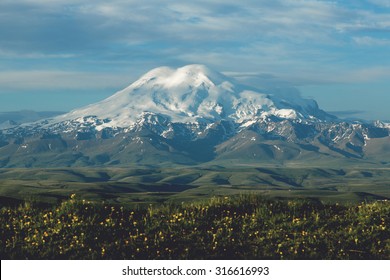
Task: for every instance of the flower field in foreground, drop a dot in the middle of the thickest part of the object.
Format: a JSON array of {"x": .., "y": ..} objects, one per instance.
[{"x": 237, "y": 227}]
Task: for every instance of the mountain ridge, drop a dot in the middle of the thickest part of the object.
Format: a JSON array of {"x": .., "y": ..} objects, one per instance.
[
  {"x": 191, "y": 94},
  {"x": 194, "y": 115}
]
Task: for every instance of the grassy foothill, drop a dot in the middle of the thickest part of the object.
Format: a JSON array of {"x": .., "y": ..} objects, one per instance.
[{"x": 231, "y": 227}]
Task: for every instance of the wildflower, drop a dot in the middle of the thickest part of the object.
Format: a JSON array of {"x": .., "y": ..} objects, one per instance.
[{"x": 295, "y": 220}]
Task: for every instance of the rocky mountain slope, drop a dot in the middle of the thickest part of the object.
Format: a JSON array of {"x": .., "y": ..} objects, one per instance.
[{"x": 193, "y": 115}]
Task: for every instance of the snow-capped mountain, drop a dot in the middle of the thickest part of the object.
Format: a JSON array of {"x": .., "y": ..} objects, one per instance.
[
  {"x": 191, "y": 94},
  {"x": 192, "y": 115}
]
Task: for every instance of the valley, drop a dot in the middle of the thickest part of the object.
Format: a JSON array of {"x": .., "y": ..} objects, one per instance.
[{"x": 148, "y": 185}]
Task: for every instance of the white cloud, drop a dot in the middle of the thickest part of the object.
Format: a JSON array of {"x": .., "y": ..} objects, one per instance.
[
  {"x": 370, "y": 41},
  {"x": 288, "y": 38},
  {"x": 33, "y": 55},
  {"x": 201, "y": 20},
  {"x": 53, "y": 80},
  {"x": 368, "y": 74},
  {"x": 382, "y": 3}
]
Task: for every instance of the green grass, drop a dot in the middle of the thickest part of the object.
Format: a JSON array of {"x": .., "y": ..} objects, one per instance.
[
  {"x": 137, "y": 185},
  {"x": 226, "y": 227}
]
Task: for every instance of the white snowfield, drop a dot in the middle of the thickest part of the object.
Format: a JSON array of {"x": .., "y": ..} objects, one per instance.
[{"x": 190, "y": 94}]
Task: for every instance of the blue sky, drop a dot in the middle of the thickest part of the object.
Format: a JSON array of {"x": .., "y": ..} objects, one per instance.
[{"x": 59, "y": 55}]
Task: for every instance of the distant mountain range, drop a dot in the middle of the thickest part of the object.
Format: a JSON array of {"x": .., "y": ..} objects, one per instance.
[
  {"x": 14, "y": 118},
  {"x": 193, "y": 115}
]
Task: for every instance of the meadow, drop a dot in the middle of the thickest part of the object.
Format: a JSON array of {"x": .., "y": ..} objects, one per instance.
[
  {"x": 223, "y": 227},
  {"x": 157, "y": 185}
]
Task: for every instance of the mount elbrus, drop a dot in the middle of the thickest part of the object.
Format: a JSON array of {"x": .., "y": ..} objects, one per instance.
[{"x": 193, "y": 115}]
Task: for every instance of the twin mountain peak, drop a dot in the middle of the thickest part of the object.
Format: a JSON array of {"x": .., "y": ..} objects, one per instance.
[
  {"x": 193, "y": 94},
  {"x": 194, "y": 115}
]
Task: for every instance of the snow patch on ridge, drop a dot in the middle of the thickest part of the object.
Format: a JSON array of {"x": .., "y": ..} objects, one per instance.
[{"x": 190, "y": 94}]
